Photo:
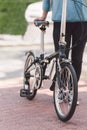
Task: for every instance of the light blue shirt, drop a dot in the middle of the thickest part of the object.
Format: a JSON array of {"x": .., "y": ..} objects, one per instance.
[{"x": 76, "y": 11}]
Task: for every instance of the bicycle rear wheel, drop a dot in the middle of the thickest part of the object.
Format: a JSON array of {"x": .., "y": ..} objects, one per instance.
[
  {"x": 65, "y": 92},
  {"x": 28, "y": 83},
  {"x": 32, "y": 76}
]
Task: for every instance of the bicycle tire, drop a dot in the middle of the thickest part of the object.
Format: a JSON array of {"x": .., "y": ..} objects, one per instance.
[
  {"x": 66, "y": 82},
  {"x": 29, "y": 60}
]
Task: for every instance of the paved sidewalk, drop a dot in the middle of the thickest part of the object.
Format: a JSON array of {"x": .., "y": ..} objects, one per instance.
[{"x": 18, "y": 113}]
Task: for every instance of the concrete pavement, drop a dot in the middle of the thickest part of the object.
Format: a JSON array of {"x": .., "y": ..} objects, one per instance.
[{"x": 17, "y": 113}]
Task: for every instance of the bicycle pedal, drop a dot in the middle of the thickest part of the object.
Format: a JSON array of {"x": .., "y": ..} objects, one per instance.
[
  {"x": 45, "y": 77},
  {"x": 24, "y": 93}
]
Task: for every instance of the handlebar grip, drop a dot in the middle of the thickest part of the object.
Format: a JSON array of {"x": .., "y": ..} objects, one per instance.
[{"x": 39, "y": 23}]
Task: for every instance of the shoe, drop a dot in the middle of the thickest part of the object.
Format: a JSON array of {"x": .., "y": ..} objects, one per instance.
[
  {"x": 70, "y": 99},
  {"x": 60, "y": 97},
  {"x": 77, "y": 102},
  {"x": 52, "y": 86}
]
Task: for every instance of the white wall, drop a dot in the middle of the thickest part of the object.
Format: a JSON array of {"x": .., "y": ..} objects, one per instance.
[{"x": 32, "y": 33}]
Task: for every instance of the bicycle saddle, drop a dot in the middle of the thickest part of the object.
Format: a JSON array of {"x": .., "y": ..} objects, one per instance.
[{"x": 41, "y": 23}]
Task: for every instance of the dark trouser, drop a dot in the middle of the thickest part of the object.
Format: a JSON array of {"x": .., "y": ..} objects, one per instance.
[{"x": 78, "y": 32}]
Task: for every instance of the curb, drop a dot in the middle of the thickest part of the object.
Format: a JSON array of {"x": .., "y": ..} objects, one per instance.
[{"x": 24, "y": 44}]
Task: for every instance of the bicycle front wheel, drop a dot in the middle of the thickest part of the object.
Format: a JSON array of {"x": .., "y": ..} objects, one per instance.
[{"x": 65, "y": 92}]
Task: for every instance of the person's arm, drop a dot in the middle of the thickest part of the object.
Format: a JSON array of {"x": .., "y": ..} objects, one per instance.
[
  {"x": 44, "y": 15},
  {"x": 46, "y": 8}
]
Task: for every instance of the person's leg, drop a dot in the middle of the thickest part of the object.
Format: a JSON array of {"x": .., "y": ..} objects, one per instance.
[
  {"x": 56, "y": 36},
  {"x": 68, "y": 34},
  {"x": 79, "y": 40}
]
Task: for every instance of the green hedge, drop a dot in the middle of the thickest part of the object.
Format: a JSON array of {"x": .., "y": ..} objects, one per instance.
[{"x": 12, "y": 20}]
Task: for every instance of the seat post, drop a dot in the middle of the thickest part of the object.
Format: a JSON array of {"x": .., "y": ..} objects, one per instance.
[
  {"x": 43, "y": 29},
  {"x": 42, "y": 42},
  {"x": 42, "y": 26}
]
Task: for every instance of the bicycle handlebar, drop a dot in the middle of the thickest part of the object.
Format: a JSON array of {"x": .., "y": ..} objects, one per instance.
[{"x": 41, "y": 23}]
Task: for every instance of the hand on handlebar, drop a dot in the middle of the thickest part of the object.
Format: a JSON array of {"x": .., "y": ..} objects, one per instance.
[
  {"x": 43, "y": 17},
  {"x": 39, "y": 19}
]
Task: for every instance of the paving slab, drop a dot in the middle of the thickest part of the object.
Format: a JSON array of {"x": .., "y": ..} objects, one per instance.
[{"x": 17, "y": 113}]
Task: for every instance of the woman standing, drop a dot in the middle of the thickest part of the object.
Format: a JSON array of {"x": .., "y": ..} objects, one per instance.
[{"x": 76, "y": 27}]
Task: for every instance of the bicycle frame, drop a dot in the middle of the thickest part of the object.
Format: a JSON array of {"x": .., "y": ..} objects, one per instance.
[
  {"x": 61, "y": 52},
  {"x": 63, "y": 24}
]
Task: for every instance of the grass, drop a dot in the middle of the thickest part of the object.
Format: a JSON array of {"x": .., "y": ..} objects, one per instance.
[{"x": 12, "y": 20}]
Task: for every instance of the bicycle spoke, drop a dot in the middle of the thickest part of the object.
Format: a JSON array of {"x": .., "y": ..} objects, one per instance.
[{"x": 65, "y": 96}]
